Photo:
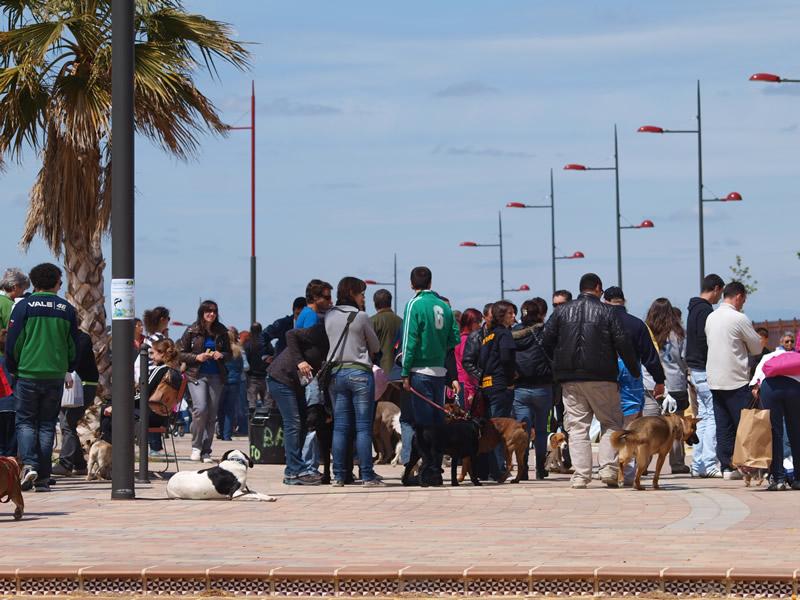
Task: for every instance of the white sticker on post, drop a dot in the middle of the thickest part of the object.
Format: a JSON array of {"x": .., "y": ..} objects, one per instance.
[{"x": 123, "y": 299}]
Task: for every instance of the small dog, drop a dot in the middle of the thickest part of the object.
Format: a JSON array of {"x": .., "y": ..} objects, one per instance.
[
  {"x": 647, "y": 436},
  {"x": 225, "y": 481},
  {"x": 556, "y": 446},
  {"x": 10, "y": 471},
  {"x": 750, "y": 474},
  {"x": 509, "y": 432},
  {"x": 98, "y": 465},
  {"x": 385, "y": 431}
]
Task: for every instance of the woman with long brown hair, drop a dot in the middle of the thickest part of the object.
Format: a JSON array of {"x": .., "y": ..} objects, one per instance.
[
  {"x": 205, "y": 348},
  {"x": 670, "y": 339}
]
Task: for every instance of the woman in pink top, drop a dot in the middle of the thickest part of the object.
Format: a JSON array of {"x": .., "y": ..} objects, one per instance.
[{"x": 470, "y": 321}]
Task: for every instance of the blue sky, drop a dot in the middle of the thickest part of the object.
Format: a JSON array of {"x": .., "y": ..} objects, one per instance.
[{"x": 386, "y": 127}]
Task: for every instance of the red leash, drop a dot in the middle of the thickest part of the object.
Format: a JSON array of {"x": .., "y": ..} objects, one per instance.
[{"x": 428, "y": 400}]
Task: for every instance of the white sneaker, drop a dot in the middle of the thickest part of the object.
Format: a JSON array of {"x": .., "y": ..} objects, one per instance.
[
  {"x": 195, "y": 455},
  {"x": 731, "y": 475},
  {"x": 207, "y": 458}
]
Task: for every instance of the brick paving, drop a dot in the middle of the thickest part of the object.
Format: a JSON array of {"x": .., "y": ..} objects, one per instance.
[{"x": 707, "y": 524}]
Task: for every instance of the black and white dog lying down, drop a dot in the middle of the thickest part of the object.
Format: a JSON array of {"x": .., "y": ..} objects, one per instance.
[{"x": 226, "y": 481}]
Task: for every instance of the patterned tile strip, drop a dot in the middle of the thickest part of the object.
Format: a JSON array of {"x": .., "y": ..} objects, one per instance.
[{"x": 196, "y": 583}]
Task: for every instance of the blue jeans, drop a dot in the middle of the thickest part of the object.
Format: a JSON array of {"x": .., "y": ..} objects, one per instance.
[
  {"x": 500, "y": 402},
  {"x": 38, "y": 402},
  {"x": 353, "y": 396},
  {"x": 432, "y": 388},
  {"x": 227, "y": 410},
  {"x": 406, "y": 428},
  {"x": 705, "y": 451},
  {"x": 728, "y": 405},
  {"x": 313, "y": 395},
  {"x": 532, "y": 408},
  {"x": 292, "y": 407},
  {"x": 425, "y": 415},
  {"x": 781, "y": 395}
]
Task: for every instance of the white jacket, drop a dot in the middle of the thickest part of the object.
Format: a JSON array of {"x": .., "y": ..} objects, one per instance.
[{"x": 731, "y": 339}]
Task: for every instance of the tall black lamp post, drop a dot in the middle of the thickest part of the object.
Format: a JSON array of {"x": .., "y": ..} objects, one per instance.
[
  {"x": 122, "y": 247},
  {"x": 732, "y": 197}
]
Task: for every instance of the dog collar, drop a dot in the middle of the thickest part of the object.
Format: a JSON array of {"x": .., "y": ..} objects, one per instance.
[{"x": 239, "y": 460}]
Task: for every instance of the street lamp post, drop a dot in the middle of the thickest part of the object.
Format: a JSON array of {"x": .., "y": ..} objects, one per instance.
[
  {"x": 499, "y": 245},
  {"x": 552, "y": 207},
  {"x": 615, "y": 168},
  {"x": 733, "y": 196},
  {"x": 393, "y": 284},
  {"x": 252, "y": 129},
  {"x": 122, "y": 247}
]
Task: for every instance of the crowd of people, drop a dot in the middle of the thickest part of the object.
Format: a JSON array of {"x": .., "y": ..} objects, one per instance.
[{"x": 588, "y": 364}]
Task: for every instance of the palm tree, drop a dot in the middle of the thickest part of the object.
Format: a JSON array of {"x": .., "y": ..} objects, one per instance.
[{"x": 55, "y": 97}]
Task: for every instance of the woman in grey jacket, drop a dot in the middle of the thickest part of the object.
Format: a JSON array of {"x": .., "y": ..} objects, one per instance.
[
  {"x": 670, "y": 339},
  {"x": 352, "y": 387}
]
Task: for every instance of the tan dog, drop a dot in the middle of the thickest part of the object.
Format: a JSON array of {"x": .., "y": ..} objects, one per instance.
[
  {"x": 647, "y": 436},
  {"x": 10, "y": 485},
  {"x": 99, "y": 461},
  {"x": 511, "y": 433},
  {"x": 554, "y": 461}
]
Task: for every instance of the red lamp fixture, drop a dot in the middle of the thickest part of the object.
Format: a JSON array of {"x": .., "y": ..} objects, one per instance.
[
  {"x": 515, "y": 205},
  {"x": 578, "y": 254},
  {"x": 524, "y": 288},
  {"x": 575, "y": 167},
  {"x": 370, "y": 282},
  {"x": 733, "y": 197},
  {"x": 766, "y": 77},
  {"x": 646, "y": 224},
  {"x": 650, "y": 129},
  {"x": 468, "y": 244}
]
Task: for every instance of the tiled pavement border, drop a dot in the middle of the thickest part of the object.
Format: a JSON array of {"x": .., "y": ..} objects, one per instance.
[{"x": 393, "y": 580}]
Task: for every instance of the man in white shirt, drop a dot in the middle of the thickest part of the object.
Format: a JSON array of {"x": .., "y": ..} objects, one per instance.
[{"x": 731, "y": 339}]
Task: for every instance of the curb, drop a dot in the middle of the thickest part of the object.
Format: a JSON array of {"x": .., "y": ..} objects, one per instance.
[{"x": 391, "y": 580}]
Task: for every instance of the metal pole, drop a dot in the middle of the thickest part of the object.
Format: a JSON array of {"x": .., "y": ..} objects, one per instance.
[
  {"x": 700, "y": 188},
  {"x": 144, "y": 414},
  {"x": 122, "y": 245},
  {"x": 253, "y": 203},
  {"x": 500, "y": 234},
  {"x": 395, "y": 282},
  {"x": 553, "y": 229},
  {"x": 619, "y": 231}
]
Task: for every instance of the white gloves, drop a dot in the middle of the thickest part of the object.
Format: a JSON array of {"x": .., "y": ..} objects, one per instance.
[{"x": 668, "y": 405}]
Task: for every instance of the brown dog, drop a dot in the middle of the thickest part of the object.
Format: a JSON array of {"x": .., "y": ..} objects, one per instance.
[
  {"x": 99, "y": 462},
  {"x": 10, "y": 485},
  {"x": 554, "y": 461},
  {"x": 647, "y": 436},
  {"x": 511, "y": 433}
]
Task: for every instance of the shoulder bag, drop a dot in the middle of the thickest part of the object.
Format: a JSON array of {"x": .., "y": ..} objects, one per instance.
[{"x": 325, "y": 372}]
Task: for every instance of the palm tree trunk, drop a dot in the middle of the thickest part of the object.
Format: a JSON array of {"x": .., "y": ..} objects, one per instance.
[{"x": 84, "y": 264}]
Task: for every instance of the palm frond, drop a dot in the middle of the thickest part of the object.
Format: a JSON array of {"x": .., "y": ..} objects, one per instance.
[
  {"x": 31, "y": 43},
  {"x": 213, "y": 39},
  {"x": 23, "y": 104}
]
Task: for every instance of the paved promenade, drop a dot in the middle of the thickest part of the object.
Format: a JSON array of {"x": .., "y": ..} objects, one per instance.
[{"x": 709, "y": 524}]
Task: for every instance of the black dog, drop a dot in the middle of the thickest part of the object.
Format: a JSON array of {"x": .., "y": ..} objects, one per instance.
[
  {"x": 457, "y": 437},
  {"x": 320, "y": 420}
]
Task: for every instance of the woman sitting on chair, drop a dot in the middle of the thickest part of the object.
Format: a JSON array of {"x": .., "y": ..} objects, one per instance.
[{"x": 165, "y": 358}]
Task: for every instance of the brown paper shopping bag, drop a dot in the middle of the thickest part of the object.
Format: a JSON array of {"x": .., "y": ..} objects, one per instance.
[{"x": 753, "y": 446}]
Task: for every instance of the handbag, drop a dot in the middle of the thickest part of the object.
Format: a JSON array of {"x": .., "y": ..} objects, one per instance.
[
  {"x": 165, "y": 397},
  {"x": 325, "y": 372},
  {"x": 73, "y": 397},
  {"x": 753, "y": 447}
]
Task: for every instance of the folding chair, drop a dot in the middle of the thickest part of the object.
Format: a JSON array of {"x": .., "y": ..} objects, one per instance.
[{"x": 167, "y": 431}]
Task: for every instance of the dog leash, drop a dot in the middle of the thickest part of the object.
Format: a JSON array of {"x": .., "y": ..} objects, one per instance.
[{"x": 432, "y": 403}]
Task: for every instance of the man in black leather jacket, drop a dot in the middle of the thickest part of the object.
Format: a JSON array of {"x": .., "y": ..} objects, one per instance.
[{"x": 585, "y": 337}]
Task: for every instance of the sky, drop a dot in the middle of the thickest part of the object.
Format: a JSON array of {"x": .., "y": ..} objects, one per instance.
[{"x": 404, "y": 128}]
